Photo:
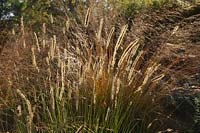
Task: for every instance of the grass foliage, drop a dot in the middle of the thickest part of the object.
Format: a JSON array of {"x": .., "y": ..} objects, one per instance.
[
  {"x": 81, "y": 82},
  {"x": 84, "y": 78}
]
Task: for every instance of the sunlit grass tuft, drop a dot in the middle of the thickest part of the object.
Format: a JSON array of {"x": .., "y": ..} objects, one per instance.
[{"x": 79, "y": 82}]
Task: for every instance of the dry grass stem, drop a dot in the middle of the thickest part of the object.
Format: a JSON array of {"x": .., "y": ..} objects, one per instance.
[
  {"x": 67, "y": 25},
  {"x": 100, "y": 30},
  {"x": 109, "y": 37},
  {"x": 175, "y": 30},
  {"x": 34, "y": 58},
  {"x": 52, "y": 97},
  {"x": 147, "y": 76},
  {"x": 51, "y": 19},
  {"x": 31, "y": 114},
  {"x": 22, "y": 26},
  {"x": 37, "y": 42},
  {"x": 132, "y": 69},
  {"x": 44, "y": 29},
  {"x": 119, "y": 42},
  {"x": 87, "y": 17},
  {"x": 129, "y": 51},
  {"x": 62, "y": 80},
  {"x": 80, "y": 129},
  {"x": 24, "y": 43}
]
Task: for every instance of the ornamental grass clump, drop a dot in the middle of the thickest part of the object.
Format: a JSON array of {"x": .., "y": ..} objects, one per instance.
[{"x": 76, "y": 81}]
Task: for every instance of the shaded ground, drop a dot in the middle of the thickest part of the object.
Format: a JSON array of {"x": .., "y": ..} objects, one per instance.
[{"x": 174, "y": 36}]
